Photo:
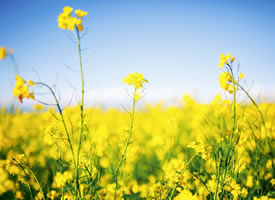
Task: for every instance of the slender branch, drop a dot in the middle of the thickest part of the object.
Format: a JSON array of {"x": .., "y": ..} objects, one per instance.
[
  {"x": 62, "y": 118},
  {"x": 127, "y": 143},
  {"x": 81, "y": 114}
]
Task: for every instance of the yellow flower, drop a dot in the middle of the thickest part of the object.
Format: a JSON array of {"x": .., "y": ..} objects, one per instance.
[
  {"x": 3, "y": 53},
  {"x": 104, "y": 162},
  {"x": 30, "y": 82},
  {"x": 80, "y": 13},
  {"x": 135, "y": 79},
  {"x": 60, "y": 180},
  {"x": 225, "y": 81},
  {"x": 249, "y": 181},
  {"x": 67, "y": 21},
  {"x": 241, "y": 76},
  {"x": 21, "y": 90},
  {"x": 224, "y": 59}
]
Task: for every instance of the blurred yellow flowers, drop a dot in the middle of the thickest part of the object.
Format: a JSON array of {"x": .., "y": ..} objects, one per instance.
[
  {"x": 225, "y": 80},
  {"x": 66, "y": 21},
  {"x": 21, "y": 89},
  {"x": 224, "y": 59},
  {"x": 135, "y": 79}
]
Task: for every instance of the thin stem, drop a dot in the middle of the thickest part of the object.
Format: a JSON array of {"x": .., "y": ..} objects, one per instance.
[
  {"x": 234, "y": 101},
  {"x": 127, "y": 142},
  {"x": 41, "y": 190},
  {"x": 29, "y": 187},
  {"x": 62, "y": 118},
  {"x": 81, "y": 113}
]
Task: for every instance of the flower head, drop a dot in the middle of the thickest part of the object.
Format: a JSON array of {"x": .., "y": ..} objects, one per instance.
[
  {"x": 67, "y": 21},
  {"x": 3, "y": 53},
  {"x": 21, "y": 89},
  {"x": 135, "y": 79},
  {"x": 224, "y": 59},
  {"x": 225, "y": 81}
]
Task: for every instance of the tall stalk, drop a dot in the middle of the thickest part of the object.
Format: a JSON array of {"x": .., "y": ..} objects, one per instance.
[
  {"x": 81, "y": 114},
  {"x": 126, "y": 144}
]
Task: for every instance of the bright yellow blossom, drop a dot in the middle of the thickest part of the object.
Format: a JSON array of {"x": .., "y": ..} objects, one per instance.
[
  {"x": 225, "y": 81},
  {"x": 67, "y": 21},
  {"x": 3, "y": 53},
  {"x": 224, "y": 59},
  {"x": 21, "y": 89},
  {"x": 135, "y": 79}
]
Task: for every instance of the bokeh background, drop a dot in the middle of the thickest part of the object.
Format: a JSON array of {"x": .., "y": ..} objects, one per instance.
[{"x": 175, "y": 44}]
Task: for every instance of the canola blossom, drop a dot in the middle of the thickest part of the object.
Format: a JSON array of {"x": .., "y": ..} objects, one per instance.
[
  {"x": 224, "y": 59},
  {"x": 135, "y": 79},
  {"x": 225, "y": 81},
  {"x": 3, "y": 53},
  {"x": 67, "y": 21},
  {"x": 21, "y": 89}
]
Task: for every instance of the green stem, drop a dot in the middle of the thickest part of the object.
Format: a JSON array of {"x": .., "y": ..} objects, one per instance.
[
  {"x": 29, "y": 187},
  {"x": 62, "y": 118},
  {"x": 127, "y": 143},
  {"x": 81, "y": 114},
  {"x": 41, "y": 190},
  {"x": 234, "y": 102}
]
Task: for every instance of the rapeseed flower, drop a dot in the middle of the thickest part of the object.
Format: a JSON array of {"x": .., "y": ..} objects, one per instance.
[
  {"x": 3, "y": 53},
  {"x": 225, "y": 81},
  {"x": 135, "y": 79},
  {"x": 224, "y": 59},
  {"x": 21, "y": 89},
  {"x": 67, "y": 21}
]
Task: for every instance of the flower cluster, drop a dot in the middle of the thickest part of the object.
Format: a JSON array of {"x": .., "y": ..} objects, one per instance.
[
  {"x": 21, "y": 89},
  {"x": 67, "y": 21},
  {"x": 224, "y": 59},
  {"x": 135, "y": 79},
  {"x": 227, "y": 78},
  {"x": 225, "y": 81}
]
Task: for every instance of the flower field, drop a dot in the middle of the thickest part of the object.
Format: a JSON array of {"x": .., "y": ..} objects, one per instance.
[
  {"x": 174, "y": 147},
  {"x": 194, "y": 151}
]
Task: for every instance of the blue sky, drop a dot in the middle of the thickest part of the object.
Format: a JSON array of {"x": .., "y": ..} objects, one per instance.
[{"x": 175, "y": 44}]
